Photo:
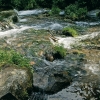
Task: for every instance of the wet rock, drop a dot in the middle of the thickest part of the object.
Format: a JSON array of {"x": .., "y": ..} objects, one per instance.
[
  {"x": 62, "y": 13},
  {"x": 52, "y": 77},
  {"x": 87, "y": 88},
  {"x": 6, "y": 25},
  {"x": 3, "y": 26},
  {"x": 7, "y": 20},
  {"x": 49, "y": 56},
  {"x": 16, "y": 81},
  {"x": 93, "y": 14},
  {"x": 57, "y": 81},
  {"x": 51, "y": 83}
]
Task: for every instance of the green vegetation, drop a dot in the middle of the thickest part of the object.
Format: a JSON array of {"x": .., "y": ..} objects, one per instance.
[
  {"x": 54, "y": 11},
  {"x": 6, "y": 14},
  {"x": 69, "y": 31},
  {"x": 30, "y": 4},
  {"x": 74, "y": 9},
  {"x": 13, "y": 57},
  {"x": 74, "y": 12},
  {"x": 60, "y": 51}
]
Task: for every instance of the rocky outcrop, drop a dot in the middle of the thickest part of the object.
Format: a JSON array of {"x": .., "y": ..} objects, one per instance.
[
  {"x": 15, "y": 81},
  {"x": 7, "y": 20},
  {"x": 6, "y": 25},
  {"x": 50, "y": 78}
]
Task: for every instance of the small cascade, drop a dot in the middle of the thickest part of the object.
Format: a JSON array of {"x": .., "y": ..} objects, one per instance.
[
  {"x": 13, "y": 31},
  {"x": 32, "y": 12}
]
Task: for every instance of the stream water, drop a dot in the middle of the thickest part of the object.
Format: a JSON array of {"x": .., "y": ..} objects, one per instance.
[{"x": 85, "y": 83}]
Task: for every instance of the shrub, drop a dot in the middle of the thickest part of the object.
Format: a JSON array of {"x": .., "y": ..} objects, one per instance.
[
  {"x": 60, "y": 51},
  {"x": 55, "y": 11},
  {"x": 81, "y": 13},
  {"x": 69, "y": 31},
  {"x": 13, "y": 58},
  {"x": 74, "y": 12}
]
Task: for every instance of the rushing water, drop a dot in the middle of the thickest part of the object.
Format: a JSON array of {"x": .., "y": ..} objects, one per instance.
[{"x": 85, "y": 85}]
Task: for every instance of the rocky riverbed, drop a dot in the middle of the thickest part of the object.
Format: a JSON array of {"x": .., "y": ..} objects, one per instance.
[{"x": 76, "y": 76}]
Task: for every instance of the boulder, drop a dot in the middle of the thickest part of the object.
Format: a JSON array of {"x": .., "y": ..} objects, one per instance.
[
  {"x": 7, "y": 20},
  {"x": 50, "y": 78},
  {"x": 15, "y": 81}
]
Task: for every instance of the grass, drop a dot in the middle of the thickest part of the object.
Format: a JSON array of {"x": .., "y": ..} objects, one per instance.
[
  {"x": 60, "y": 51},
  {"x": 12, "y": 57},
  {"x": 69, "y": 31}
]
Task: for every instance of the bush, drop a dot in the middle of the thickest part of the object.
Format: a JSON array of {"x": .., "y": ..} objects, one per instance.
[
  {"x": 55, "y": 11},
  {"x": 60, "y": 52},
  {"x": 74, "y": 12},
  {"x": 69, "y": 31},
  {"x": 23, "y": 4},
  {"x": 13, "y": 57},
  {"x": 81, "y": 13}
]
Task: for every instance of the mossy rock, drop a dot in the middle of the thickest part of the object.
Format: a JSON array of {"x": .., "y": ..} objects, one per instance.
[
  {"x": 18, "y": 82},
  {"x": 8, "y": 14},
  {"x": 60, "y": 52},
  {"x": 69, "y": 31}
]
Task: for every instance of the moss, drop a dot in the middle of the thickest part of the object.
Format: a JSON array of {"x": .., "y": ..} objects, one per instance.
[
  {"x": 69, "y": 31},
  {"x": 60, "y": 51},
  {"x": 26, "y": 88}
]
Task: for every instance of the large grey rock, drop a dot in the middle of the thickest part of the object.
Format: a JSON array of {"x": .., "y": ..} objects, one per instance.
[
  {"x": 52, "y": 77},
  {"x": 15, "y": 81},
  {"x": 49, "y": 78}
]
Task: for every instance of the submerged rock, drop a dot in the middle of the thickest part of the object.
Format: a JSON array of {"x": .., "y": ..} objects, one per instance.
[{"x": 15, "y": 81}]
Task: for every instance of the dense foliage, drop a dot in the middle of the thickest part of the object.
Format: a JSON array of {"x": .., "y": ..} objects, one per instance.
[
  {"x": 30, "y": 4},
  {"x": 74, "y": 9},
  {"x": 74, "y": 12}
]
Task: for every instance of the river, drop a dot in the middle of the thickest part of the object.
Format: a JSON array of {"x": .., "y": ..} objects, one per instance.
[{"x": 84, "y": 69}]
